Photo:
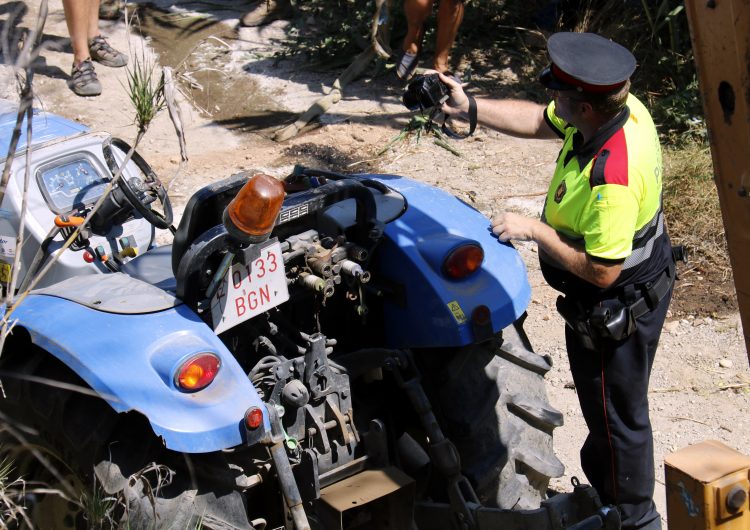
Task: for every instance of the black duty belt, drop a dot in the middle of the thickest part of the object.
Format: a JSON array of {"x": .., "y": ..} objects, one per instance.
[
  {"x": 653, "y": 293},
  {"x": 614, "y": 318}
]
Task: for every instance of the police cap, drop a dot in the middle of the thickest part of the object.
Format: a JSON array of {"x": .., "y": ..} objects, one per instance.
[{"x": 586, "y": 62}]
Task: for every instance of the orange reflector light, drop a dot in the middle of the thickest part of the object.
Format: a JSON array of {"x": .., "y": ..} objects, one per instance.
[
  {"x": 463, "y": 261},
  {"x": 197, "y": 372},
  {"x": 253, "y": 418},
  {"x": 252, "y": 213}
]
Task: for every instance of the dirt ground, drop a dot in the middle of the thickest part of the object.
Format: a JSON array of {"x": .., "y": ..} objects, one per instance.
[{"x": 700, "y": 383}]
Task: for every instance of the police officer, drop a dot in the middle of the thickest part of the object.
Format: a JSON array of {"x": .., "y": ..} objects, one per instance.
[{"x": 602, "y": 244}]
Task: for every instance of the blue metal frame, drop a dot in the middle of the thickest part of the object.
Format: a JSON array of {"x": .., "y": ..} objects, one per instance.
[
  {"x": 412, "y": 254},
  {"x": 46, "y": 127},
  {"x": 131, "y": 360}
]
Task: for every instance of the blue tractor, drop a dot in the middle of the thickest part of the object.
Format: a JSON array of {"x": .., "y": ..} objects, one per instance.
[{"x": 321, "y": 352}]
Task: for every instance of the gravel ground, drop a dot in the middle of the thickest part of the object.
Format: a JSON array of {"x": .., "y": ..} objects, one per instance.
[{"x": 700, "y": 381}]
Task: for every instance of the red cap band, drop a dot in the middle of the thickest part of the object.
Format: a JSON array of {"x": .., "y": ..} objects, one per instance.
[{"x": 586, "y": 87}]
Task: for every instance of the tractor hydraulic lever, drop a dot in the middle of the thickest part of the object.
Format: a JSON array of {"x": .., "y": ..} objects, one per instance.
[
  {"x": 289, "y": 488},
  {"x": 443, "y": 453}
]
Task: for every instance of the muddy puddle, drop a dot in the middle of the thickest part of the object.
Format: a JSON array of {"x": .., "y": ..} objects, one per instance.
[{"x": 209, "y": 70}]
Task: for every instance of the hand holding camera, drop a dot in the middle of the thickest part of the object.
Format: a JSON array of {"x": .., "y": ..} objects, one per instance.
[
  {"x": 438, "y": 91},
  {"x": 431, "y": 90},
  {"x": 425, "y": 92}
]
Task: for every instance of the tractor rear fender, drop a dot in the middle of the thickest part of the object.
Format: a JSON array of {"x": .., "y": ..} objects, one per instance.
[
  {"x": 126, "y": 339},
  {"x": 429, "y": 309}
]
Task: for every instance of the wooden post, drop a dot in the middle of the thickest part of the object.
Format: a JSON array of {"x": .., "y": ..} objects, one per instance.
[{"x": 720, "y": 31}]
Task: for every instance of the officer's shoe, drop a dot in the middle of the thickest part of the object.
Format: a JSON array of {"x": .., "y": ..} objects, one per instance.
[{"x": 266, "y": 11}]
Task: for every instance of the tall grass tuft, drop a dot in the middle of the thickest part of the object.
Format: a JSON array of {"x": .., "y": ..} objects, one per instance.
[
  {"x": 691, "y": 206},
  {"x": 12, "y": 493},
  {"x": 146, "y": 91}
]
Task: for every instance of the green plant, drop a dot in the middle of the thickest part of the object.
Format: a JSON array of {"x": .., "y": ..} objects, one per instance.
[
  {"x": 145, "y": 91},
  {"x": 99, "y": 508},
  {"x": 665, "y": 14},
  {"x": 338, "y": 31},
  {"x": 678, "y": 112},
  {"x": 12, "y": 492},
  {"x": 420, "y": 124}
]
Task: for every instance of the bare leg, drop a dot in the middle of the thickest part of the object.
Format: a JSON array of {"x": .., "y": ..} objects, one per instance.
[
  {"x": 77, "y": 19},
  {"x": 450, "y": 15},
  {"x": 416, "y": 12},
  {"x": 93, "y": 22}
]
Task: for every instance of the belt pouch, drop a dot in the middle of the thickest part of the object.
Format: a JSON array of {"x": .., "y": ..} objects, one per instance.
[
  {"x": 612, "y": 320},
  {"x": 576, "y": 319}
]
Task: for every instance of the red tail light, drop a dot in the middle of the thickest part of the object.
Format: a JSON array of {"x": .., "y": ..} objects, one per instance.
[
  {"x": 463, "y": 261},
  {"x": 197, "y": 372},
  {"x": 253, "y": 418}
]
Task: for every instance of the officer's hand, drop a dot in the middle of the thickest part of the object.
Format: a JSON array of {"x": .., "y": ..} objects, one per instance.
[
  {"x": 457, "y": 103},
  {"x": 507, "y": 226}
]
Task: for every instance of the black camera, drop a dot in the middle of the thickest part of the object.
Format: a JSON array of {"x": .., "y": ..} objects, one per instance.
[{"x": 425, "y": 92}]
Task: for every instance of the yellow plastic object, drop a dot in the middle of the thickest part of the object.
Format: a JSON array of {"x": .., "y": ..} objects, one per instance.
[
  {"x": 128, "y": 252},
  {"x": 707, "y": 488}
]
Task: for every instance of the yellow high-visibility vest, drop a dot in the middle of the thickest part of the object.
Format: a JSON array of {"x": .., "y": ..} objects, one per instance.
[{"x": 605, "y": 191}]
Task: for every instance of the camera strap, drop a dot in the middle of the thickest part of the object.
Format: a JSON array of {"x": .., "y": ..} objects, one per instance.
[{"x": 472, "y": 122}]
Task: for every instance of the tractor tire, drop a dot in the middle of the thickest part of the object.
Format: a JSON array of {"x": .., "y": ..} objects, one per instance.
[
  {"x": 493, "y": 405},
  {"x": 74, "y": 442}
]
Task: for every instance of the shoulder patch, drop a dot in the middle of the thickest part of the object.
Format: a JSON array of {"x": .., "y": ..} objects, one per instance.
[{"x": 611, "y": 162}]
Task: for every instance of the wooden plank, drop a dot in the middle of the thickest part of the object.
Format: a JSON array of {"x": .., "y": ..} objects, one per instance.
[{"x": 720, "y": 31}]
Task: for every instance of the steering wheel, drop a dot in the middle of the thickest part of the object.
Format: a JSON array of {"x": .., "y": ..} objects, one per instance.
[{"x": 137, "y": 195}]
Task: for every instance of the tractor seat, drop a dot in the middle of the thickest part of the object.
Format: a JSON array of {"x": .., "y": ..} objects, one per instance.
[{"x": 202, "y": 212}]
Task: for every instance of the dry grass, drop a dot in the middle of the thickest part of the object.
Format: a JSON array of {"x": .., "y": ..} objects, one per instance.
[{"x": 691, "y": 206}]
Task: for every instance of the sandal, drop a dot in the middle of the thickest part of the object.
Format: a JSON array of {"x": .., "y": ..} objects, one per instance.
[
  {"x": 406, "y": 65},
  {"x": 105, "y": 54},
  {"x": 110, "y": 9},
  {"x": 83, "y": 80}
]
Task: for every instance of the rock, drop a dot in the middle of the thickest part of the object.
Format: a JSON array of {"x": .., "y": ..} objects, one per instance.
[
  {"x": 671, "y": 327},
  {"x": 726, "y": 363},
  {"x": 697, "y": 322},
  {"x": 546, "y": 317}
]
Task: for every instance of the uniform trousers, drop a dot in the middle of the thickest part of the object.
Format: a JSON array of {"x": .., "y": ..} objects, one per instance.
[{"x": 612, "y": 385}]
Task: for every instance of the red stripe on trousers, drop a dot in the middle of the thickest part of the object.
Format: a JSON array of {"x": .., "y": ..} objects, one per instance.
[{"x": 609, "y": 434}]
